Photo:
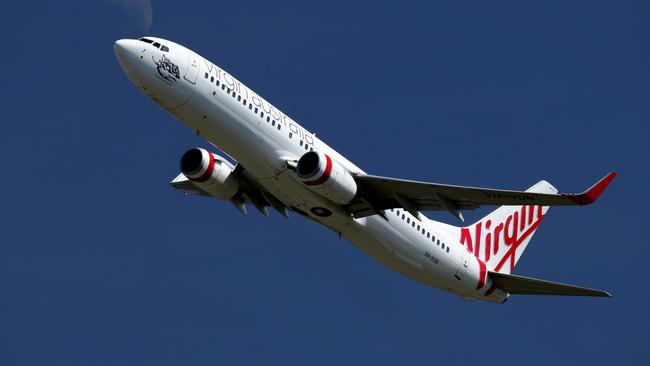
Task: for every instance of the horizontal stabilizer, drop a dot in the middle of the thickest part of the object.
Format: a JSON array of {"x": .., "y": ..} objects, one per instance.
[{"x": 530, "y": 286}]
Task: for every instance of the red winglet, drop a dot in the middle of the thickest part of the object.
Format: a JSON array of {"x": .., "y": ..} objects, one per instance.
[{"x": 591, "y": 195}]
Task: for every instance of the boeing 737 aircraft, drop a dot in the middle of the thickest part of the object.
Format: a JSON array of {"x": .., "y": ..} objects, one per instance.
[{"x": 280, "y": 164}]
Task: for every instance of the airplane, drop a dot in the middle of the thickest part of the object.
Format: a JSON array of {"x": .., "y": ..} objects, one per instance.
[{"x": 283, "y": 166}]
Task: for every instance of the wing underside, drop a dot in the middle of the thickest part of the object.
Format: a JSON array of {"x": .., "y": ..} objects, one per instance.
[
  {"x": 250, "y": 192},
  {"x": 521, "y": 285},
  {"x": 383, "y": 193}
]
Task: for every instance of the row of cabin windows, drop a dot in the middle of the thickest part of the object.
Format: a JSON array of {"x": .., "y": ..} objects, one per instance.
[
  {"x": 421, "y": 230},
  {"x": 234, "y": 94},
  {"x": 303, "y": 144},
  {"x": 250, "y": 107}
]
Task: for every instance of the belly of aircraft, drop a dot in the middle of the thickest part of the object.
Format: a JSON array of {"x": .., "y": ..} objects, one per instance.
[
  {"x": 264, "y": 158},
  {"x": 372, "y": 235}
]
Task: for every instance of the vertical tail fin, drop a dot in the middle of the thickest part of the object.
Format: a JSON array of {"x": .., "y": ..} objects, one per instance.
[{"x": 500, "y": 238}]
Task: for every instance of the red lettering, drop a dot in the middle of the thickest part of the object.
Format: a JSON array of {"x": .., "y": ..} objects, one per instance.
[
  {"x": 511, "y": 237},
  {"x": 497, "y": 236},
  {"x": 466, "y": 238},
  {"x": 477, "y": 245},
  {"x": 519, "y": 222},
  {"x": 488, "y": 239}
]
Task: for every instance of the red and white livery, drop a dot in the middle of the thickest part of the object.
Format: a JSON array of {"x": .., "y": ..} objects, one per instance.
[{"x": 283, "y": 166}]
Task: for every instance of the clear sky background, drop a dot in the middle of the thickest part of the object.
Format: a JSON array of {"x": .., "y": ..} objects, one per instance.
[{"x": 102, "y": 263}]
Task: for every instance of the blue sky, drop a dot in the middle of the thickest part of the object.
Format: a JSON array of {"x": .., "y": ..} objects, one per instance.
[{"x": 102, "y": 263}]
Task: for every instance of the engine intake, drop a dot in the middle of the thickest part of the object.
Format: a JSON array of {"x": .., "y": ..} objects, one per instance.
[
  {"x": 191, "y": 161},
  {"x": 308, "y": 165},
  {"x": 326, "y": 177},
  {"x": 210, "y": 172}
]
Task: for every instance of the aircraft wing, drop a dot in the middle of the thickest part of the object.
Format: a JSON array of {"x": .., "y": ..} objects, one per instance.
[
  {"x": 521, "y": 285},
  {"x": 186, "y": 186},
  {"x": 382, "y": 193},
  {"x": 250, "y": 192}
]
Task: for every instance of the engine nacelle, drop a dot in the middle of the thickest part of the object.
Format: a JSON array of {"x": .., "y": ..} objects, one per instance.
[
  {"x": 326, "y": 177},
  {"x": 210, "y": 172}
]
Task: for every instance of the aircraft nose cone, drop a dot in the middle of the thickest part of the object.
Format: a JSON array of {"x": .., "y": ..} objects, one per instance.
[
  {"x": 125, "y": 49},
  {"x": 128, "y": 53}
]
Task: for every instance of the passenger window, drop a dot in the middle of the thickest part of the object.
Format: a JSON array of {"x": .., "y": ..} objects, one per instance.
[
  {"x": 413, "y": 224},
  {"x": 402, "y": 216},
  {"x": 418, "y": 227},
  {"x": 206, "y": 75},
  {"x": 423, "y": 231},
  {"x": 244, "y": 101},
  {"x": 300, "y": 142},
  {"x": 408, "y": 220},
  {"x": 280, "y": 127},
  {"x": 234, "y": 94},
  {"x": 428, "y": 235},
  {"x": 438, "y": 242},
  {"x": 255, "y": 110},
  {"x": 218, "y": 82},
  {"x": 268, "y": 119},
  {"x": 290, "y": 135},
  {"x": 211, "y": 78},
  {"x": 250, "y": 106},
  {"x": 239, "y": 98},
  {"x": 262, "y": 114},
  {"x": 273, "y": 123},
  {"x": 447, "y": 249},
  {"x": 443, "y": 246}
]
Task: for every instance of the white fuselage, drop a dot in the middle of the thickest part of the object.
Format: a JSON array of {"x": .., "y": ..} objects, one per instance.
[{"x": 262, "y": 139}]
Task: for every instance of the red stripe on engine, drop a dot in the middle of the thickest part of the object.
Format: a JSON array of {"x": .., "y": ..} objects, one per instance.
[
  {"x": 208, "y": 172},
  {"x": 326, "y": 175}
]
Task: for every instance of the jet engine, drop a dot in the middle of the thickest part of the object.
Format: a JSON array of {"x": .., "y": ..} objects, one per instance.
[
  {"x": 326, "y": 177},
  {"x": 210, "y": 172}
]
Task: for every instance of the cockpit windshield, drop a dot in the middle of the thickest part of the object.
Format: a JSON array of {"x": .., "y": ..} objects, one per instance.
[{"x": 155, "y": 44}]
